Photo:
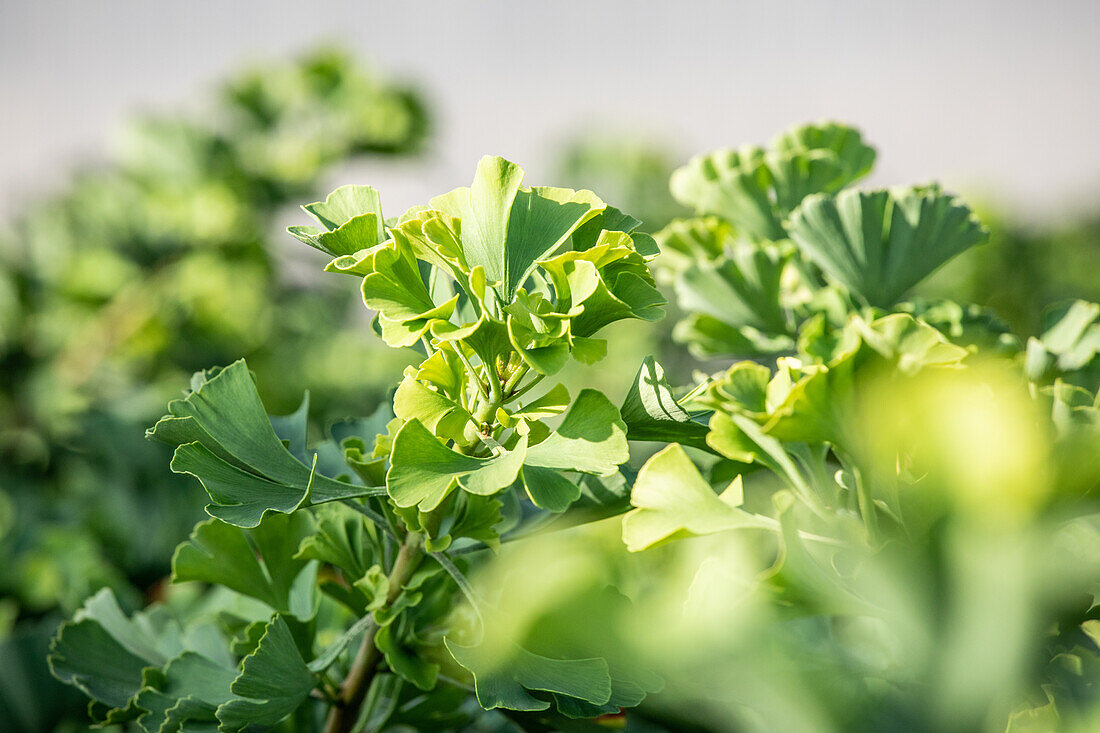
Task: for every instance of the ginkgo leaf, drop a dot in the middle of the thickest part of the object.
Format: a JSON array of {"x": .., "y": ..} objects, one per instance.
[
  {"x": 590, "y": 439},
  {"x": 755, "y": 189},
  {"x": 686, "y": 240},
  {"x": 104, "y": 654},
  {"x": 394, "y": 286},
  {"x": 820, "y": 406},
  {"x": 292, "y": 429},
  {"x": 340, "y": 539},
  {"x": 1068, "y": 346},
  {"x": 708, "y": 337},
  {"x": 423, "y": 470},
  {"x": 741, "y": 289},
  {"x": 436, "y": 411},
  {"x": 605, "y": 283},
  {"x": 672, "y": 500},
  {"x": 504, "y": 673},
  {"x": 548, "y": 489},
  {"x": 261, "y": 562},
  {"x": 274, "y": 680},
  {"x": 732, "y": 290},
  {"x": 352, "y": 221},
  {"x": 405, "y": 659},
  {"x": 188, "y": 697},
  {"x": 879, "y": 244},
  {"x": 507, "y": 228},
  {"x": 856, "y": 157},
  {"x": 145, "y": 668},
  {"x": 225, "y": 439},
  {"x": 650, "y": 412}
]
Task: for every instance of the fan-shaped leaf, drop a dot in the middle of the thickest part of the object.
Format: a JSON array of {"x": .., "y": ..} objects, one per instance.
[
  {"x": 273, "y": 682},
  {"x": 503, "y": 674},
  {"x": 225, "y": 439},
  {"x": 879, "y": 244},
  {"x": 424, "y": 471},
  {"x": 756, "y": 189},
  {"x": 507, "y": 228},
  {"x": 260, "y": 563},
  {"x": 672, "y": 499},
  {"x": 650, "y": 412}
]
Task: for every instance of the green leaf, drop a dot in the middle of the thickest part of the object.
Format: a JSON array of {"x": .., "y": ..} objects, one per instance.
[
  {"x": 340, "y": 539},
  {"x": 144, "y": 668},
  {"x": 374, "y": 585},
  {"x": 553, "y": 402},
  {"x": 708, "y": 337},
  {"x": 292, "y": 429},
  {"x": 590, "y": 439},
  {"x": 879, "y": 244},
  {"x": 1068, "y": 345},
  {"x": 344, "y": 204},
  {"x": 273, "y": 682},
  {"x": 607, "y": 283},
  {"x": 193, "y": 688},
  {"x": 672, "y": 500},
  {"x": 755, "y": 189},
  {"x": 405, "y": 657},
  {"x": 504, "y": 673},
  {"x": 104, "y": 654},
  {"x": 423, "y": 470},
  {"x": 854, "y": 156},
  {"x": 506, "y": 228},
  {"x": 439, "y": 413},
  {"x": 477, "y": 518},
  {"x": 352, "y": 220},
  {"x": 261, "y": 563},
  {"x": 820, "y": 406},
  {"x": 548, "y": 489},
  {"x": 650, "y": 412},
  {"x": 225, "y": 439},
  {"x": 741, "y": 291}
]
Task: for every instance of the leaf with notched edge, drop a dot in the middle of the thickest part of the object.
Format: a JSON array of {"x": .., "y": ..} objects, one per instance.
[{"x": 225, "y": 439}]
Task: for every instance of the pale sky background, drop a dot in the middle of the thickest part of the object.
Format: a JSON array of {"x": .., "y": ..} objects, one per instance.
[{"x": 990, "y": 96}]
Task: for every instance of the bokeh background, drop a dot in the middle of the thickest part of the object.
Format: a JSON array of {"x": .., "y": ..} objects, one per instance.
[
  {"x": 995, "y": 96},
  {"x": 155, "y": 153}
]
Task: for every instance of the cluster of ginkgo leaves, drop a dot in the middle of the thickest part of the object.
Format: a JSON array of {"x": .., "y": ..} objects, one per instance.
[
  {"x": 879, "y": 434},
  {"x": 499, "y": 285}
]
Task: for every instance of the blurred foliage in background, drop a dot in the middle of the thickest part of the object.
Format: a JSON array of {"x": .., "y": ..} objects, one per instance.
[
  {"x": 1026, "y": 268},
  {"x": 115, "y": 290}
]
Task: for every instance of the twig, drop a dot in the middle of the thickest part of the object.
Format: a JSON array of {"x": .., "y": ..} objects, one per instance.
[{"x": 353, "y": 691}]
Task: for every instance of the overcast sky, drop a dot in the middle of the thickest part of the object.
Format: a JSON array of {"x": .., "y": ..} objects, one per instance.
[{"x": 987, "y": 95}]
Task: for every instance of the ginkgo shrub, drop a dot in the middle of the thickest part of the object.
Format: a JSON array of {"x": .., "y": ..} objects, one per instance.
[{"x": 884, "y": 520}]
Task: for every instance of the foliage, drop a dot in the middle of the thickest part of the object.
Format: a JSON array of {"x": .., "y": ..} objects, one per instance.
[
  {"x": 498, "y": 285},
  {"x": 885, "y": 520},
  {"x": 142, "y": 271}
]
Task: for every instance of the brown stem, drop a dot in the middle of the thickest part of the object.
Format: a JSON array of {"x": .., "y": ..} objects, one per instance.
[{"x": 342, "y": 717}]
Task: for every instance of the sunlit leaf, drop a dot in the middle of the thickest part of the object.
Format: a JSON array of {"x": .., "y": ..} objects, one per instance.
[
  {"x": 424, "y": 470},
  {"x": 879, "y": 244},
  {"x": 672, "y": 500}
]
